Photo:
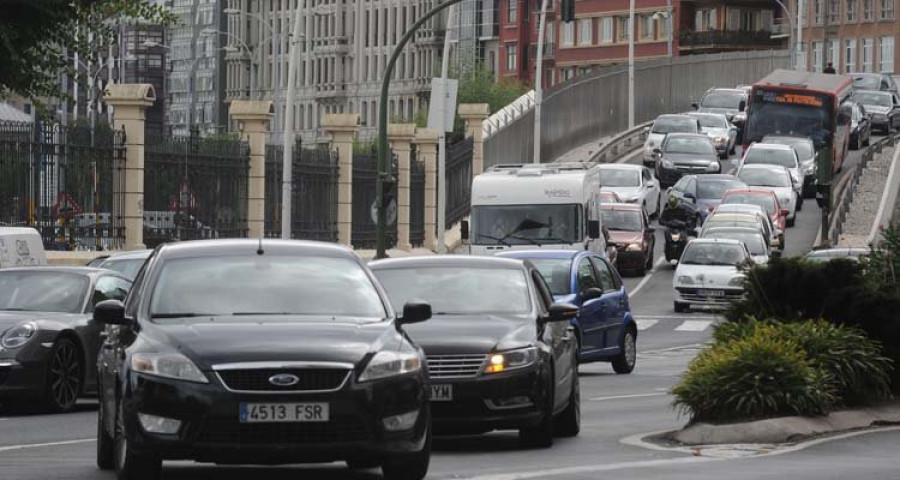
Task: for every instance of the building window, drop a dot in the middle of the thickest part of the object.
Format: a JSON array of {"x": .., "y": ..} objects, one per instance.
[
  {"x": 834, "y": 11},
  {"x": 887, "y": 9},
  {"x": 648, "y": 30},
  {"x": 868, "y": 50},
  {"x": 851, "y": 11},
  {"x": 849, "y": 55},
  {"x": 512, "y": 50},
  {"x": 819, "y": 11},
  {"x": 705, "y": 20},
  {"x": 886, "y": 55},
  {"x": 568, "y": 34},
  {"x": 606, "y": 29},
  {"x": 817, "y": 48},
  {"x": 801, "y": 57},
  {"x": 834, "y": 48},
  {"x": 868, "y": 10},
  {"x": 586, "y": 31},
  {"x": 568, "y": 73},
  {"x": 512, "y": 11},
  {"x": 621, "y": 29}
]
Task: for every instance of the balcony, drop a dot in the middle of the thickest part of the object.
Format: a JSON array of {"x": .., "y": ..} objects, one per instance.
[
  {"x": 332, "y": 46},
  {"x": 724, "y": 40}
]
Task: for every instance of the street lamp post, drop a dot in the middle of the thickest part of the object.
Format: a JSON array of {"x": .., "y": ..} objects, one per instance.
[
  {"x": 538, "y": 80},
  {"x": 272, "y": 34},
  {"x": 288, "y": 124},
  {"x": 631, "y": 64},
  {"x": 794, "y": 46},
  {"x": 251, "y": 53}
]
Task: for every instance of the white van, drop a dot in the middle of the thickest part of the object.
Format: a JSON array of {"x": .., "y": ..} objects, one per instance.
[
  {"x": 547, "y": 206},
  {"x": 21, "y": 247}
]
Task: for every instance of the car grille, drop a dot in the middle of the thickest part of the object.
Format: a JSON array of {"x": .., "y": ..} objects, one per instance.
[
  {"x": 337, "y": 430},
  {"x": 690, "y": 168},
  {"x": 455, "y": 366},
  {"x": 257, "y": 380}
]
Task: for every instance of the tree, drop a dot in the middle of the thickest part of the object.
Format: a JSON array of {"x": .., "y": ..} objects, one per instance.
[
  {"x": 479, "y": 86},
  {"x": 37, "y": 35}
]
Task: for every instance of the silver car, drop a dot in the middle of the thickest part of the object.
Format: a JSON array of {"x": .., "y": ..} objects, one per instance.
[{"x": 717, "y": 127}]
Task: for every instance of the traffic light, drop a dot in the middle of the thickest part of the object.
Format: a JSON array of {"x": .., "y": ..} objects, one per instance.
[{"x": 567, "y": 11}]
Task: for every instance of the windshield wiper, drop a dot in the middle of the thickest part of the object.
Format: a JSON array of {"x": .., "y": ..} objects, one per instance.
[
  {"x": 184, "y": 315},
  {"x": 500, "y": 240},
  {"x": 524, "y": 239}
]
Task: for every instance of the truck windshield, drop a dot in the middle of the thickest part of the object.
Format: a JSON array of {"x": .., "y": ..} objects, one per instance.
[{"x": 525, "y": 224}]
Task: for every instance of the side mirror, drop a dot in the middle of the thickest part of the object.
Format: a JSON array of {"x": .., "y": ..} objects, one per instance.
[
  {"x": 591, "y": 293},
  {"x": 111, "y": 312},
  {"x": 464, "y": 230},
  {"x": 560, "y": 312},
  {"x": 784, "y": 212},
  {"x": 415, "y": 311},
  {"x": 742, "y": 106},
  {"x": 695, "y": 105},
  {"x": 594, "y": 229}
]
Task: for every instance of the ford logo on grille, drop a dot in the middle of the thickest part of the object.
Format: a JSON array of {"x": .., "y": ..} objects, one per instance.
[{"x": 284, "y": 380}]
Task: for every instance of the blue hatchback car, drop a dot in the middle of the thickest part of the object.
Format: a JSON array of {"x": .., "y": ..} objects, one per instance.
[{"x": 605, "y": 327}]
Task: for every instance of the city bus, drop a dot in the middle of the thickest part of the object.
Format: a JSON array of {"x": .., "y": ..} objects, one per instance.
[{"x": 808, "y": 104}]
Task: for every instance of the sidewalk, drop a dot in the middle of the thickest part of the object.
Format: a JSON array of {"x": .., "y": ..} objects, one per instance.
[{"x": 864, "y": 208}]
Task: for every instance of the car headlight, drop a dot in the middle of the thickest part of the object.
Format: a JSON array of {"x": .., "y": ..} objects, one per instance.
[
  {"x": 513, "y": 359},
  {"x": 391, "y": 363},
  {"x": 713, "y": 167},
  {"x": 634, "y": 247},
  {"x": 719, "y": 140},
  {"x": 18, "y": 335},
  {"x": 809, "y": 168},
  {"x": 666, "y": 163},
  {"x": 168, "y": 365},
  {"x": 685, "y": 279},
  {"x": 736, "y": 281}
]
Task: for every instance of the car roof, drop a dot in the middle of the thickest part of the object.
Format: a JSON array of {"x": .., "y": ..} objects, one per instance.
[
  {"x": 787, "y": 136},
  {"x": 746, "y": 230},
  {"x": 547, "y": 254},
  {"x": 432, "y": 261},
  {"x": 130, "y": 255},
  {"x": 236, "y": 246},
  {"x": 707, "y": 114},
  {"x": 737, "y": 91},
  {"x": 687, "y": 135},
  {"x": 764, "y": 166},
  {"x": 750, "y": 191},
  {"x": 620, "y": 207},
  {"x": 71, "y": 269},
  {"x": 732, "y": 217},
  {"x": 620, "y": 166},
  {"x": 729, "y": 241},
  {"x": 737, "y": 207},
  {"x": 876, "y": 92},
  {"x": 714, "y": 177},
  {"x": 673, "y": 115},
  {"x": 771, "y": 146}
]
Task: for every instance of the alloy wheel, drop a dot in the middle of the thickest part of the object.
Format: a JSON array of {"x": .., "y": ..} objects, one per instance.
[{"x": 65, "y": 375}]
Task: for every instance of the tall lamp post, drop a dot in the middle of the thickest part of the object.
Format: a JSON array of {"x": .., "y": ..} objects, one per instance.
[
  {"x": 631, "y": 64},
  {"x": 538, "y": 80},
  {"x": 288, "y": 124}
]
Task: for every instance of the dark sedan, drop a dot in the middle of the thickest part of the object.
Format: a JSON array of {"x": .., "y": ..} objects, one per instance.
[
  {"x": 685, "y": 154},
  {"x": 860, "y": 127},
  {"x": 126, "y": 263},
  {"x": 262, "y": 352},
  {"x": 630, "y": 232},
  {"x": 501, "y": 353},
  {"x": 883, "y": 108},
  {"x": 49, "y": 343}
]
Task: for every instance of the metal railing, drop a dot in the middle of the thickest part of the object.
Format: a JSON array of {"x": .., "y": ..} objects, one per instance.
[
  {"x": 363, "y": 232},
  {"x": 459, "y": 181},
  {"x": 716, "y": 38},
  {"x": 622, "y": 143}
]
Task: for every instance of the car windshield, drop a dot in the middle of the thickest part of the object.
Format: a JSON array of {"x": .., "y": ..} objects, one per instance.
[
  {"x": 714, "y": 189},
  {"x": 458, "y": 289},
  {"x": 625, "y": 220},
  {"x": 803, "y": 146},
  {"x": 619, "y": 177},
  {"x": 767, "y": 202},
  {"x": 753, "y": 241},
  {"x": 727, "y": 100},
  {"x": 867, "y": 82},
  {"x": 556, "y": 272},
  {"x": 713, "y": 254},
  {"x": 675, "y": 125},
  {"x": 771, "y": 156},
  {"x": 265, "y": 285},
  {"x": 881, "y": 99},
  {"x": 764, "y": 178},
  {"x": 711, "y": 121},
  {"x": 525, "y": 224},
  {"x": 697, "y": 146},
  {"x": 128, "y": 267},
  {"x": 42, "y": 291}
]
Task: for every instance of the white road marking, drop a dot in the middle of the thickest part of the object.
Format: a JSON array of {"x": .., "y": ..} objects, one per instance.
[
  {"x": 646, "y": 278},
  {"x": 645, "y": 324},
  {"x": 676, "y": 317},
  {"x": 593, "y": 468},
  {"x": 694, "y": 326},
  {"x": 622, "y": 397},
  {"x": 40, "y": 445}
]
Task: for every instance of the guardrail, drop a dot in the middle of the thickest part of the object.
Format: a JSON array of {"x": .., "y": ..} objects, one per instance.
[
  {"x": 624, "y": 142},
  {"x": 835, "y": 228}
]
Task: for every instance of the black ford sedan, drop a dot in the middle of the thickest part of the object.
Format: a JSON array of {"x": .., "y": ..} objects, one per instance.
[
  {"x": 501, "y": 354},
  {"x": 260, "y": 352},
  {"x": 48, "y": 341}
]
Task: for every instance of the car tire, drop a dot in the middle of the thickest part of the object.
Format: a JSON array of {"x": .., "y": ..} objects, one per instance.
[
  {"x": 624, "y": 362},
  {"x": 65, "y": 376},
  {"x": 541, "y": 435},
  {"x": 868, "y": 139},
  {"x": 106, "y": 445},
  {"x": 568, "y": 423},
  {"x": 131, "y": 465},
  {"x": 681, "y": 307},
  {"x": 791, "y": 221},
  {"x": 658, "y": 206},
  {"x": 410, "y": 466},
  {"x": 799, "y": 203}
]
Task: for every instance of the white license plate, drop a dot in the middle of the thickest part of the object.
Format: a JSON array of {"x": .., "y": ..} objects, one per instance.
[
  {"x": 441, "y": 393},
  {"x": 712, "y": 293},
  {"x": 283, "y": 412}
]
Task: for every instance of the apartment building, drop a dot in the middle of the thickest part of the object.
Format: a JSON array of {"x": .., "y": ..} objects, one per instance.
[
  {"x": 852, "y": 35},
  {"x": 712, "y": 26}
]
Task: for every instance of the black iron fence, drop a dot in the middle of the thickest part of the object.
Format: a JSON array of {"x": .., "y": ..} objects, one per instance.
[
  {"x": 67, "y": 182},
  {"x": 416, "y": 202},
  {"x": 459, "y": 181},
  {"x": 194, "y": 188},
  {"x": 314, "y": 194},
  {"x": 364, "y": 228}
]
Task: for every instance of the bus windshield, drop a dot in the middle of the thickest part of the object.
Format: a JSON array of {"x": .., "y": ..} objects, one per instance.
[
  {"x": 790, "y": 119},
  {"x": 525, "y": 224}
]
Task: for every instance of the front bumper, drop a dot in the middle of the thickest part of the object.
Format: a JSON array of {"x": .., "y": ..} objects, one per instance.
[
  {"x": 630, "y": 259},
  {"x": 211, "y": 431},
  {"x": 881, "y": 122},
  {"x": 23, "y": 376},
  {"x": 704, "y": 296}
]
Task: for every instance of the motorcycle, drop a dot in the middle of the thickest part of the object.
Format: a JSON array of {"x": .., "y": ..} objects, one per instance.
[{"x": 677, "y": 233}]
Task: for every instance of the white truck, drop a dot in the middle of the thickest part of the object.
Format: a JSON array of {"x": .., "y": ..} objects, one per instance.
[
  {"x": 546, "y": 206},
  {"x": 21, "y": 247}
]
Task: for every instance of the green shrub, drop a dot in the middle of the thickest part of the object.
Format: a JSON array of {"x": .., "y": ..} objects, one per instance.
[{"x": 757, "y": 376}]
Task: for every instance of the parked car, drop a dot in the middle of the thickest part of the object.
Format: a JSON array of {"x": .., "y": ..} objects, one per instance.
[
  {"x": 778, "y": 180},
  {"x": 49, "y": 343},
  {"x": 126, "y": 263},
  {"x": 827, "y": 254},
  {"x": 806, "y": 153},
  {"x": 707, "y": 274},
  {"x": 768, "y": 201},
  {"x": 780, "y": 155},
  {"x": 662, "y": 126},
  {"x": 685, "y": 154},
  {"x": 630, "y": 232},
  {"x": 605, "y": 326},
  {"x": 860, "y": 127},
  {"x": 700, "y": 194},
  {"x": 757, "y": 244},
  {"x": 730, "y": 102},
  {"x": 501, "y": 353},
  {"x": 261, "y": 351},
  {"x": 873, "y": 81},
  {"x": 884, "y": 108},
  {"x": 720, "y": 131},
  {"x": 632, "y": 184}
]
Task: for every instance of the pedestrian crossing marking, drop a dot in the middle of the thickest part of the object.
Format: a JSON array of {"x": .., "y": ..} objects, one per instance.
[
  {"x": 694, "y": 326},
  {"x": 645, "y": 324}
]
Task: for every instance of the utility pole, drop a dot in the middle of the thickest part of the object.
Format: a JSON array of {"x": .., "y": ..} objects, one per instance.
[
  {"x": 800, "y": 6},
  {"x": 631, "y": 65},
  {"x": 538, "y": 89},
  {"x": 442, "y": 147},
  {"x": 288, "y": 125}
]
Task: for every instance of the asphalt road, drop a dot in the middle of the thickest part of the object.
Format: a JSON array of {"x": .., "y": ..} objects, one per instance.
[{"x": 615, "y": 407}]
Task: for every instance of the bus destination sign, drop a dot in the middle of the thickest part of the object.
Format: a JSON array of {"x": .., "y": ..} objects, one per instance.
[{"x": 791, "y": 98}]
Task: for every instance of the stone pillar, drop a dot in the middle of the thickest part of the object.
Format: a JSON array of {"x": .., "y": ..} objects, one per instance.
[
  {"x": 252, "y": 117},
  {"x": 401, "y": 135},
  {"x": 131, "y": 102},
  {"x": 343, "y": 127},
  {"x": 426, "y": 149},
  {"x": 474, "y": 114}
]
